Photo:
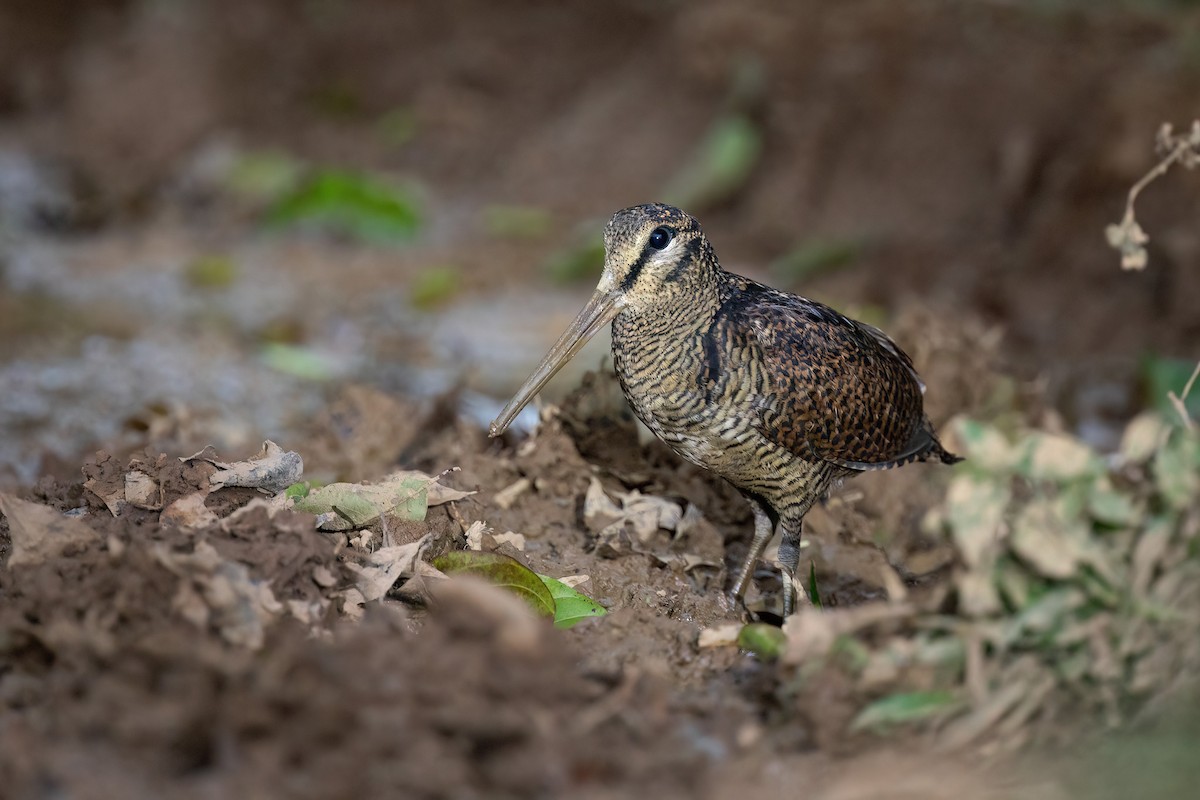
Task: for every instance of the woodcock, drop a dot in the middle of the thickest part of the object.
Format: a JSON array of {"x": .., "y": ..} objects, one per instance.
[{"x": 778, "y": 394}]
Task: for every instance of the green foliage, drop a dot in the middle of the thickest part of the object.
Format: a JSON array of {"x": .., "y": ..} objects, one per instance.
[
  {"x": 264, "y": 176},
  {"x": 765, "y": 641},
  {"x": 297, "y": 490},
  {"x": 814, "y": 593},
  {"x": 548, "y": 597},
  {"x": 349, "y": 204},
  {"x": 398, "y": 127},
  {"x": 905, "y": 708},
  {"x": 816, "y": 257},
  {"x": 211, "y": 272},
  {"x": 721, "y": 164},
  {"x": 346, "y": 506},
  {"x": 517, "y": 222},
  {"x": 1163, "y": 377},
  {"x": 302, "y": 362},
  {"x": 434, "y": 287},
  {"x": 570, "y": 606},
  {"x": 1074, "y": 589},
  {"x": 582, "y": 261},
  {"x": 503, "y": 571}
]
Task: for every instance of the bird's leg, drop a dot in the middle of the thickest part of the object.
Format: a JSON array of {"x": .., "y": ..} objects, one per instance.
[
  {"x": 789, "y": 559},
  {"x": 764, "y": 528}
]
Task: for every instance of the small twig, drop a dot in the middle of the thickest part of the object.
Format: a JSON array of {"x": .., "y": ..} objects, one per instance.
[
  {"x": 1180, "y": 400},
  {"x": 1127, "y": 236}
]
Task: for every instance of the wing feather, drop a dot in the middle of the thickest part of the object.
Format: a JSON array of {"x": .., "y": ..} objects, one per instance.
[{"x": 837, "y": 389}]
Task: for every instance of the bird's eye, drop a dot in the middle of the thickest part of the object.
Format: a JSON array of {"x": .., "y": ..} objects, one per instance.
[{"x": 660, "y": 238}]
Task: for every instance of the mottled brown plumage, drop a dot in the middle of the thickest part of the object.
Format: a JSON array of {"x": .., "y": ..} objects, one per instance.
[{"x": 778, "y": 394}]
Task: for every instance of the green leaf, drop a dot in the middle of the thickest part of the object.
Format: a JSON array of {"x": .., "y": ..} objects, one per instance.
[
  {"x": 583, "y": 260},
  {"x": 1057, "y": 458},
  {"x": 517, "y": 222},
  {"x": 349, "y": 204},
  {"x": 503, "y": 571},
  {"x": 816, "y": 257},
  {"x": 397, "y": 127},
  {"x": 345, "y": 506},
  {"x": 814, "y": 593},
  {"x": 264, "y": 176},
  {"x": 434, "y": 286},
  {"x": 905, "y": 708},
  {"x": 212, "y": 272},
  {"x": 298, "y": 360},
  {"x": 1052, "y": 544},
  {"x": 1163, "y": 375},
  {"x": 1109, "y": 505},
  {"x": 570, "y": 606},
  {"x": 1177, "y": 469},
  {"x": 765, "y": 641},
  {"x": 721, "y": 164},
  {"x": 1041, "y": 618},
  {"x": 985, "y": 447},
  {"x": 1144, "y": 434},
  {"x": 975, "y": 510},
  {"x": 297, "y": 490}
]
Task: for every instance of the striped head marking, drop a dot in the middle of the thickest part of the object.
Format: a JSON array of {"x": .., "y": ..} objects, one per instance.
[{"x": 653, "y": 251}]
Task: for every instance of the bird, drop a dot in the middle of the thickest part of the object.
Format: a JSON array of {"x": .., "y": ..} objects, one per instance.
[{"x": 780, "y": 395}]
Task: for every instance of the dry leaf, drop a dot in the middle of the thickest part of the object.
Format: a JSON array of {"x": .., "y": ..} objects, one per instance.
[
  {"x": 509, "y": 494},
  {"x": 39, "y": 533},
  {"x": 724, "y": 635},
  {"x": 272, "y": 470},
  {"x": 474, "y": 535},
  {"x": 189, "y": 512},
  {"x": 221, "y": 593},
  {"x": 323, "y": 577},
  {"x": 388, "y": 565},
  {"x": 598, "y": 510},
  {"x": 643, "y": 514},
  {"x": 112, "y": 497},
  {"x": 438, "y": 493},
  {"x": 347, "y": 506},
  {"x": 143, "y": 491},
  {"x": 517, "y": 540}
]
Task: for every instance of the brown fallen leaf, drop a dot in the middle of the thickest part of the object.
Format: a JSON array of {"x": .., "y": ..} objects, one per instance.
[
  {"x": 439, "y": 493},
  {"x": 142, "y": 491},
  {"x": 509, "y": 494},
  {"x": 221, "y": 593},
  {"x": 517, "y": 540},
  {"x": 39, "y": 533},
  {"x": 386, "y": 566},
  {"x": 272, "y": 470},
  {"x": 113, "y": 496},
  {"x": 189, "y": 512},
  {"x": 642, "y": 514},
  {"x": 723, "y": 635}
]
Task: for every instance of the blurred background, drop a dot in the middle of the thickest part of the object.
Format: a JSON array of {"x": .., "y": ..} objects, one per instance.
[{"x": 214, "y": 214}]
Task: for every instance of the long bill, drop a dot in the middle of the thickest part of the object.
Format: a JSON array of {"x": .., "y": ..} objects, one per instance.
[{"x": 598, "y": 312}]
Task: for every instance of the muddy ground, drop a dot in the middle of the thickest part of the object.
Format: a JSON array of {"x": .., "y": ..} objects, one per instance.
[{"x": 959, "y": 162}]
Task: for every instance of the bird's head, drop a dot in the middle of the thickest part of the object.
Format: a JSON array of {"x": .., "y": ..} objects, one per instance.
[{"x": 652, "y": 254}]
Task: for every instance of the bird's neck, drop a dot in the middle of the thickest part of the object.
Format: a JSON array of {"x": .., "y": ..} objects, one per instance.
[{"x": 688, "y": 308}]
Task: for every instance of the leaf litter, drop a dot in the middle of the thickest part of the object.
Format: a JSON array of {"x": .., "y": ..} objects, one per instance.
[{"x": 970, "y": 673}]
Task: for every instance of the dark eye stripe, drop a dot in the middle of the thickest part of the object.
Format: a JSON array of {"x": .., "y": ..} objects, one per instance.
[{"x": 635, "y": 270}]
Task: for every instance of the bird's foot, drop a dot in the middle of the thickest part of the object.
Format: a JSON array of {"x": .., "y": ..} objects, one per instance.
[{"x": 795, "y": 596}]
